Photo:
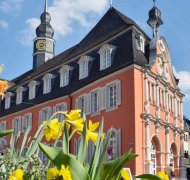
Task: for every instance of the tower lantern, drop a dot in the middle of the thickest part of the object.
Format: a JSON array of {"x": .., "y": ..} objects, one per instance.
[{"x": 155, "y": 20}]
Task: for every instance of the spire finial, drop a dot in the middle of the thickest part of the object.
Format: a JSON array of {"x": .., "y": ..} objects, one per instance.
[
  {"x": 111, "y": 3},
  {"x": 46, "y": 6},
  {"x": 154, "y": 2}
]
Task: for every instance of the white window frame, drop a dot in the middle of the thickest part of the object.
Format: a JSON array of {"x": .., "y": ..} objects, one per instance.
[
  {"x": 47, "y": 83},
  {"x": 19, "y": 94},
  {"x": 8, "y": 96},
  {"x": 106, "y": 52},
  {"x": 140, "y": 41},
  {"x": 27, "y": 122},
  {"x": 64, "y": 75},
  {"x": 32, "y": 89},
  {"x": 4, "y": 124},
  {"x": 115, "y": 142},
  {"x": 78, "y": 103},
  {"x": 95, "y": 110},
  {"x": 117, "y": 95},
  {"x": 49, "y": 113},
  {"x": 84, "y": 66},
  {"x": 16, "y": 127},
  {"x": 60, "y": 107}
]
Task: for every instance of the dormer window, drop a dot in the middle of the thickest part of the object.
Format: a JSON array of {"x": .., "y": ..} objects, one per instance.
[
  {"x": 84, "y": 66},
  {"x": 47, "y": 83},
  {"x": 8, "y": 100},
  {"x": 64, "y": 75},
  {"x": 140, "y": 42},
  {"x": 19, "y": 94},
  {"x": 106, "y": 52},
  {"x": 32, "y": 89}
]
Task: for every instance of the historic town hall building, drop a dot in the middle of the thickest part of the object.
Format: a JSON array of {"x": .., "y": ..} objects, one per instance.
[{"x": 116, "y": 71}]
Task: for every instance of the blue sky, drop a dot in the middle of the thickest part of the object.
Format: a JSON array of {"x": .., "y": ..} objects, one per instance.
[{"x": 73, "y": 19}]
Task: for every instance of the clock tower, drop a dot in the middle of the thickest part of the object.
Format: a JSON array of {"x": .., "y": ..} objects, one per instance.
[{"x": 44, "y": 44}]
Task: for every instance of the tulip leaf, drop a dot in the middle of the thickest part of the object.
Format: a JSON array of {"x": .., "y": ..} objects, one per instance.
[
  {"x": 65, "y": 140},
  {"x": 111, "y": 170},
  {"x": 58, "y": 158},
  {"x": 148, "y": 177},
  {"x": 5, "y": 132},
  {"x": 83, "y": 146}
]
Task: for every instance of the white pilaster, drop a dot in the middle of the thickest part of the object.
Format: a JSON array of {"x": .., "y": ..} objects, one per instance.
[
  {"x": 167, "y": 132},
  {"x": 175, "y": 110},
  {"x": 147, "y": 106},
  {"x": 182, "y": 163},
  {"x": 167, "y": 106},
  {"x": 148, "y": 163},
  {"x": 157, "y": 101}
]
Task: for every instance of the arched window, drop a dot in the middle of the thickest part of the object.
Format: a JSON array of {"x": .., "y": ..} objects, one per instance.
[
  {"x": 173, "y": 155},
  {"x": 155, "y": 154},
  {"x": 153, "y": 157},
  {"x": 114, "y": 146}
]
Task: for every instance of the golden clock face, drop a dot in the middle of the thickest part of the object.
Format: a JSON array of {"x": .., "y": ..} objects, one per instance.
[{"x": 41, "y": 45}]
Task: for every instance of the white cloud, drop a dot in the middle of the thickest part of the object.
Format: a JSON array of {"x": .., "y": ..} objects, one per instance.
[
  {"x": 11, "y": 6},
  {"x": 27, "y": 35},
  {"x": 65, "y": 13},
  {"x": 4, "y": 24},
  {"x": 184, "y": 82}
]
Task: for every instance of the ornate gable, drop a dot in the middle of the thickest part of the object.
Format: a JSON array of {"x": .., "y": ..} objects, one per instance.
[{"x": 160, "y": 61}]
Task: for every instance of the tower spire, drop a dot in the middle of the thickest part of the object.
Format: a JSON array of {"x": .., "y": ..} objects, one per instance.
[{"x": 46, "y": 6}]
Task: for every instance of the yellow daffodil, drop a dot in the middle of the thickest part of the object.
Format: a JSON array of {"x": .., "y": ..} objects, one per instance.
[
  {"x": 65, "y": 173},
  {"x": 52, "y": 129},
  {"x": 91, "y": 135},
  {"x": 52, "y": 173},
  {"x": 3, "y": 86},
  {"x": 74, "y": 119},
  {"x": 125, "y": 175},
  {"x": 163, "y": 175},
  {"x": 73, "y": 115},
  {"x": 17, "y": 175}
]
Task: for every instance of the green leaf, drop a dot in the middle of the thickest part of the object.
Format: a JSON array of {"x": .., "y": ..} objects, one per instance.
[
  {"x": 24, "y": 141},
  {"x": 58, "y": 158},
  {"x": 111, "y": 170},
  {"x": 66, "y": 140},
  {"x": 5, "y": 132},
  {"x": 102, "y": 158},
  {"x": 97, "y": 152},
  {"x": 83, "y": 146},
  {"x": 148, "y": 177}
]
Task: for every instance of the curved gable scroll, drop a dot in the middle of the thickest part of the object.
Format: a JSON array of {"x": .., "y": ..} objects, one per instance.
[{"x": 160, "y": 60}]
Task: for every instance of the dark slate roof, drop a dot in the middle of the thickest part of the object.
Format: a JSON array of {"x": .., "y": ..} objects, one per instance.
[
  {"x": 126, "y": 53},
  {"x": 110, "y": 24}
]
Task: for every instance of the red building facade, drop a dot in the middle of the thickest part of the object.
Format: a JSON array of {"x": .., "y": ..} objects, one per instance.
[{"x": 116, "y": 72}]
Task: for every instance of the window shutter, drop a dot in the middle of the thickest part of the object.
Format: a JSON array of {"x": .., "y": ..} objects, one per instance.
[
  {"x": 40, "y": 118},
  {"x": 118, "y": 87},
  {"x": 88, "y": 104},
  {"x": 76, "y": 103},
  {"x": 118, "y": 142},
  {"x": 19, "y": 124},
  {"x": 103, "y": 98},
  {"x": 30, "y": 121},
  {"x": 23, "y": 124},
  {"x": 5, "y": 125},
  {"x": 49, "y": 112}
]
